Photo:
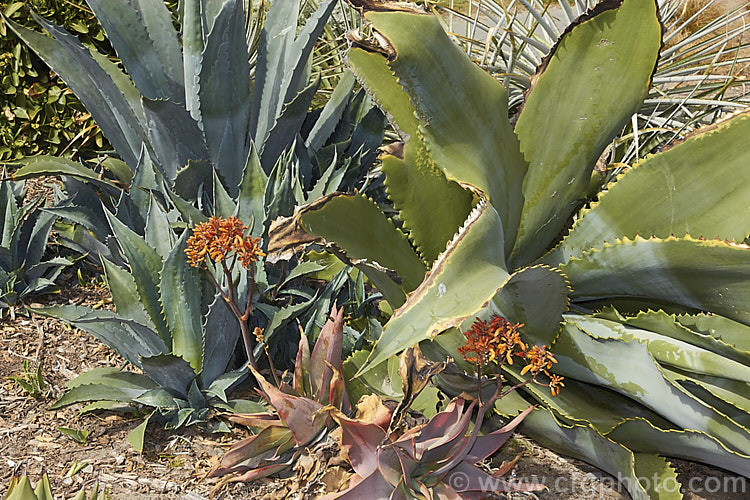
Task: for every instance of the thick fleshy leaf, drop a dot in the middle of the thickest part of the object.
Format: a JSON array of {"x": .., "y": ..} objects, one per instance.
[
  {"x": 301, "y": 381},
  {"x": 299, "y": 414},
  {"x": 106, "y": 375},
  {"x": 628, "y": 368},
  {"x": 91, "y": 392},
  {"x": 361, "y": 441},
  {"x": 594, "y": 79},
  {"x": 122, "y": 287},
  {"x": 192, "y": 50},
  {"x": 488, "y": 444},
  {"x": 373, "y": 486},
  {"x": 668, "y": 351},
  {"x": 224, "y": 91},
  {"x": 147, "y": 64},
  {"x": 465, "y": 277},
  {"x": 128, "y": 338},
  {"x": 39, "y": 166},
  {"x": 372, "y": 239},
  {"x": 250, "y": 203},
  {"x": 158, "y": 232},
  {"x": 706, "y": 275},
  {"x": 431, "y": 207},
  {"x": 91, "y": 84},
  {"x": 170, "y": 372},
  {"x": 684, "y": 190},
  {"x": 145, "y": 267},
  {"x": 221, "y": 331},
  {"x": 372, "y": 71},
  {"x": 688, "y": 444},
  {"x": 462, "y": 111},
  {"x": 174, "y": 135},
  {"x": 731, "y": 332},
  {"x": 326, "y": 355},
  {"x": 137, "y": 436},
  {"x": 180, "y": 288},
  {"x": 585, "y": 443}
]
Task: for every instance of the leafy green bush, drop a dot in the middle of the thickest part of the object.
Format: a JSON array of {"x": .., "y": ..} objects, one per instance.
[{"x": 40, "y": 114}]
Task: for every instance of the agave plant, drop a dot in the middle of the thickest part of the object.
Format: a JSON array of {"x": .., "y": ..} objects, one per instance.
[
  {"x": 662, "y": 374},
  {"x": 697, "y": 75},
  {"x": 24, "y": 230},
  {"x": 301, "y": 409}
]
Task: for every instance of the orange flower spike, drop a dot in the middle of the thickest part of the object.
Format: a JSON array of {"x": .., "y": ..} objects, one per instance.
[
  {"x": 219, "y": 238},
  {"x": 555, "y": 384}
]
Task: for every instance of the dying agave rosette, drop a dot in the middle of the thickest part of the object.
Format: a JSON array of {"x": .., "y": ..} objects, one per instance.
[
  {"x": 301, "y": 417},
  {"x": 436, "y": 459}
]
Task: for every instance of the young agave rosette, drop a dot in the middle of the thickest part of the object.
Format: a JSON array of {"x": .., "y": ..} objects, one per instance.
[
  {"x": 434, "y": 460},
  {"x": 301, "y": 417}
]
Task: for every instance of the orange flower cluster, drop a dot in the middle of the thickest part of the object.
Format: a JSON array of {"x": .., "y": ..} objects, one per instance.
[
  {"x": 499, "y": 340},
  {"x": 218, "y": 239}
]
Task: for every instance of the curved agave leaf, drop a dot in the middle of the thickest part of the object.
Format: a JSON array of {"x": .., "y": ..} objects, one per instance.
[
  {"x": 699, "y": 187},
  {"x": 689, "y": 444},
  {"x": 586, "y": 89},
  {"x": 224, "y": 93},
  {"x": 124, "y": 293},
  {"x": 725, "y": 329},
  {"x": 431, "y": 207},
  {"x": 134, "y": 36},
  {"x": 373, "y": 242},
  {"x": 91, "y": 83},
  {"x": 373, "y": 73},
  {"x": 462, "y": 280},
  {"x": 462, "y": 111},
  {"x": 705, "y": 275},
  {"x": 628, "y": 368}
]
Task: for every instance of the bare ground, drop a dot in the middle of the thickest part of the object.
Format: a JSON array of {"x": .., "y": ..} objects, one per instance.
[{"x": 174, "y": 464}]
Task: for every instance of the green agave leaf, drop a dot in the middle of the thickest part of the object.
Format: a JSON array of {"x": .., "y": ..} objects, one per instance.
[
  {"x": 669, "y": 351},
  {"x": 192, "y": 51},
  {"x": 669, "y": 325},
  {"x": 699, "y": 187},
  {"x": 250, "y": 203},
  {"x": 224, "y": 204},
  {"x": 431, "y": 207},
  {"x": 32, "y": 250},
  {"x": 731, "y": 391},
  {"x": 372, "y": 238},
  {"x": 594, "y": 79},
  {"x": 91, "y": 392},
  {"x": 706, "y": 275},
  {"x": 286, "y": 128},
  {"x": 158, "y": 232},
  {"x": 128, "y": 338},
  {"x": 170, "y": 372},
  {"x": 461, "y": 282},
  {"x": 628, "y": 368},
  {"x": 725, "y": 329},
  {"x": 145, "y": 267},
  {"x": 157, "y": 19},
  {"x": 688, "y": 444},
  {"x": 43, "y": 490},
  {"x": 51, "y": 165},
  {"x": 122, "y": 287},
  {"x": 146, "y": 63},
  {"x": 281, "y": 70},
  {"x": 537, "y": 297},
  {"x": 137, "y": 436},
  {"x": 225, "y": 95},
  {"x": 20, "y": 490},
  {"x": 174, "y": 136},
  {"x": 331, "y": 114},
  {"x": 461, "y": 109},
  {"x": 106, "y": 375},
  {"x": 373, "y": 73},
  {"x": 181, "y": 299},
  {"x": 585, "y": 443},
  {"x": 658, "y": 475},
  {"x": 91, "y": 84},
  {"x": 221, "y": 331}
]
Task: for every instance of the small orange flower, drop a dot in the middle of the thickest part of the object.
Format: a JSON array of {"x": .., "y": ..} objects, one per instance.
[
  {"x": 259, "y": 336},
  {"x": 538, "y": 359},
  {"x": 555, "y": 383},
  {"x": 220, "y": 238}
]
